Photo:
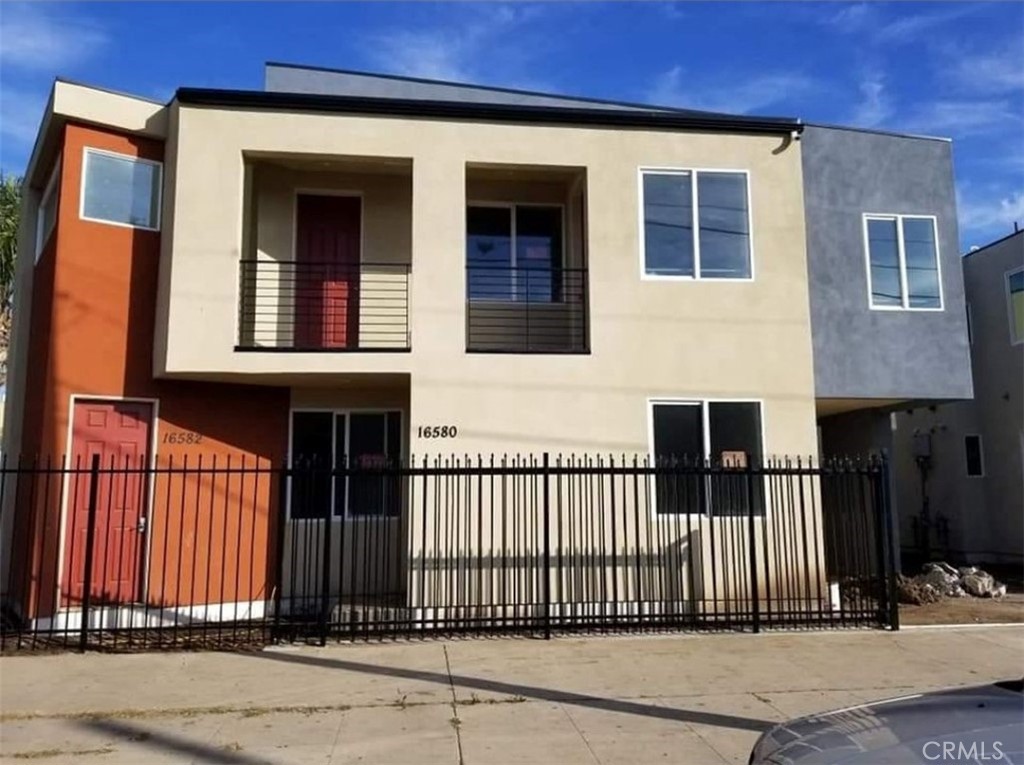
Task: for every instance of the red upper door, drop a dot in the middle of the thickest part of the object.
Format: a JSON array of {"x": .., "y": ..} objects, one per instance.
[
  {"x": 327, "y": 245},
  {"x": 119, "y": 432}
]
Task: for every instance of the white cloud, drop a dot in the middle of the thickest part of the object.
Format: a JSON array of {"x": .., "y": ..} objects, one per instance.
[
  {"x": 747, "y": 94},
  {"x": 492, "y": 46},
  {"x": 988, "y": 213},
  {"x": 867, "y": 20},
  {"x": 962, "y": 118},
  {"x": 875, "y": 107},
  {"x": 35, "y": 37},
  {"x": 995, "y": 70}
]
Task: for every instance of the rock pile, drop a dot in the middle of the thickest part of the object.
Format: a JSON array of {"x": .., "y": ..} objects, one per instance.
[{"x": 940, "y": 580}]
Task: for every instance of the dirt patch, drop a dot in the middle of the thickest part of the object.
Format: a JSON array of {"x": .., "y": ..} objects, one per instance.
[{"x": 966, "y": 610}]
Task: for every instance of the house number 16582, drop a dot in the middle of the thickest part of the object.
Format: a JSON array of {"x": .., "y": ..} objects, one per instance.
[{"x": 437, "y": 431}]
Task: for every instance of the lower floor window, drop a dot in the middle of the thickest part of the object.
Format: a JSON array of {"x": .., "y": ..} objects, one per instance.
[
  {"x": 726, "y": 435},
  {"x": 325, "y": 442}
]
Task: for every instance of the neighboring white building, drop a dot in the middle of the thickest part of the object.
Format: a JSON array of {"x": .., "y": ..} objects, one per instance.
[{"x": 973, "y": 451}]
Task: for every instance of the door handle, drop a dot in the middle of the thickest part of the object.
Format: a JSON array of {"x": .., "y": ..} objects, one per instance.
[{"x": 140, "y": 525}]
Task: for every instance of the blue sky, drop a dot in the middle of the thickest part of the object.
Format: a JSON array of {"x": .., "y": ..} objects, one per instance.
[{"x": 950, "y": 69}]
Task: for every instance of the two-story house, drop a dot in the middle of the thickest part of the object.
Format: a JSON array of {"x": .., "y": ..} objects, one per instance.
[{"x": 359, "y": 265}]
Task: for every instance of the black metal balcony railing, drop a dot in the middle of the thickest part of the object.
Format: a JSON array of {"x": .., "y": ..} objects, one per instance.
[
  {"x": 526, "y": 310},
  {"x": 323, "y": 306}
]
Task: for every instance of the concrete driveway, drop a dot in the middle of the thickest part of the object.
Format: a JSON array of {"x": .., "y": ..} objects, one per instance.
[{"x": 673, "y": 699}]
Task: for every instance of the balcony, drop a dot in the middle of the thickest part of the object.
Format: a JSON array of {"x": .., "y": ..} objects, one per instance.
[
  {"x": 526, "y": 310},
  {"x": 319, "y": 306}
]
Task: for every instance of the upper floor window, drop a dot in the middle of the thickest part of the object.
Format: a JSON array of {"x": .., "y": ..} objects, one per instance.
[
  {"x": 514, "y": 252},
  {"x": 47, "y": 217},
  {"x": 696, "y": 224},
  {"x": 121, "y": 190},
  {"x": 903, "y": 262},
  {"x": 1015, "y": 295}
]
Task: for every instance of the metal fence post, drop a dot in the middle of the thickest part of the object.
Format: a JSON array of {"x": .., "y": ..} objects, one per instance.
[
  {"x": 325, "y": 593},
  {"x": 90, "y": 540},
  {"x": 755, "y": 597},
  {"x": 280, "y": 527},
  {"x": 889, "y": 564},
  {"x": 547, "y": 547}
]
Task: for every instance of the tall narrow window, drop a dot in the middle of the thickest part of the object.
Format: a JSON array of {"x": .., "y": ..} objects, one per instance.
[
  {"x": 668, "y": 224},
  {"x": 724, "y": 225},
  {"x": 973, "y": 456},
  {"x": 47, "y": 219},
  {"x": 489, "y": 253},
  {"x": 696, "y": 224},
  {"x": 120, "y": 189},
  {"x": 1015, "y": 296},
  {"x": 903, "y": 262}
]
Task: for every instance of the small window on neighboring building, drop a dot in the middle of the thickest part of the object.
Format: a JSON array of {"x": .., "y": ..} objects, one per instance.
[
  {"x": 323, "y": 441},
  {"x": 696, "y": 224},
  {"x": 47, "y": 217},
  {"x": 728, "y": 433},
  {"x": 972, "y": 452},
  {"x": 121, "y": 190},
  {"x": 1015, "y": 295},
  {"x": 903, "y": 262},
  {"x": 970, "y": 324}
]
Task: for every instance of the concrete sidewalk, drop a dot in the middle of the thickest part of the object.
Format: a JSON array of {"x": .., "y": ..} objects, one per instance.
[{"x": 675, "y": 699}]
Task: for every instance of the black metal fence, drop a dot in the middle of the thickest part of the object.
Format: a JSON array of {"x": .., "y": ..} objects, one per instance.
[
  {"x": 287, "y": 305},
  {"x": 215, "y": 552}
]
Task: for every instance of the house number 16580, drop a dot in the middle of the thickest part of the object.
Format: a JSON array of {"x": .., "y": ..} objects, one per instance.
[{"x": 437, "y": 431}]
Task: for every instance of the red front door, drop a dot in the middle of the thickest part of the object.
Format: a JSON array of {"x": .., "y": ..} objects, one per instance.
[
  {"x": 119, "y": 432},
  {"x": 327, "y": 243}
]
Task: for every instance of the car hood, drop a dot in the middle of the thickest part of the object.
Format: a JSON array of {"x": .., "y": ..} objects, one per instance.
[{"x": 898, "y": 730}]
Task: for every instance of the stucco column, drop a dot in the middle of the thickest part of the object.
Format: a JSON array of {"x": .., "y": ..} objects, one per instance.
[{"x": 438, "y": 289}]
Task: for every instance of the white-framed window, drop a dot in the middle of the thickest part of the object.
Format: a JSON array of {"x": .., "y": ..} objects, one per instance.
[
  {"x": 46, "y": 219},
  {"x": 1015, "y": 304},
  {"x": 902, "y": 254},
  {"x": 726, "y": 433},
  {"x": 515, "y": 252},
  {"x": 121, "y": 190},
  {"x": 323, "y": 440},
  {"x": 974, "y": 456},
  {"x": 695, "y": 224}
]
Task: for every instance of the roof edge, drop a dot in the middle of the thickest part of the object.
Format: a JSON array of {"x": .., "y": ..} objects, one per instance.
[
  {"x": 993, "y": 243},
  {"x": 873, "y": 131},
  {"x": 651, "y": 117}
]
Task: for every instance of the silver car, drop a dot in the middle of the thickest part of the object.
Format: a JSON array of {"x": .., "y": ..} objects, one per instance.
[{"x": 983, "y": 725}]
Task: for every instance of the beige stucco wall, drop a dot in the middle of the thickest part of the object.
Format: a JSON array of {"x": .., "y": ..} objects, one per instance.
[{"x": 647, "y": 338}]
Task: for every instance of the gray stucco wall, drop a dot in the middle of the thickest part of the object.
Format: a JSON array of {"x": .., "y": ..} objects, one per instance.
[{"x": 858, "y": 352}]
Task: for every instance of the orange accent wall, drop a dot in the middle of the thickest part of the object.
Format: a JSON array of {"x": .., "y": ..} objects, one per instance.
[{"x": 92, "y": 329}]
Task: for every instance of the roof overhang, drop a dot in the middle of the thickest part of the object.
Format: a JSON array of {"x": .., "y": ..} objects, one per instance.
[
  {"x": 73, "y": 102},
  {"x": 484, "y": 112}
]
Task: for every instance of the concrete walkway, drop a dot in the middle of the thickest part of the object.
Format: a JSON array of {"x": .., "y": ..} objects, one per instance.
[{"x": 673, "y": 699}]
